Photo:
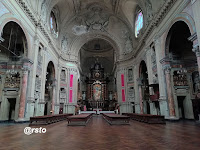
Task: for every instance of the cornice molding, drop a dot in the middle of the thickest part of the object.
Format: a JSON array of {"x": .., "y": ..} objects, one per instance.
[
  {"x": 157, "y": 19},
  {"x": 36, "y": 23}
]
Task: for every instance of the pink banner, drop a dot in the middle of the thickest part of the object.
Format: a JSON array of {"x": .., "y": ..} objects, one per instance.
[
  {"x": 71, "y": 80},
  {"x": 123, "y": 95},
  {"x": 122, "y": 79},
  {"x": 71, "y": 88},
  {"x": 70, "y": 96}
]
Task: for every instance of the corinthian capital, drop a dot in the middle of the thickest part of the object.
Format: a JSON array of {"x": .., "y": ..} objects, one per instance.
[
  {"x": 196, "y": 50},
  {"x": 139, "y": 81},
  {"x": 157, "y": 40},
  {"x": 167, "y": 68}
]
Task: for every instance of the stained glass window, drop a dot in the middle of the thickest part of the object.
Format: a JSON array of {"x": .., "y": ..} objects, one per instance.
[
  {"x": 53, "y": 23},
  {"x": 138, "y": 23}
]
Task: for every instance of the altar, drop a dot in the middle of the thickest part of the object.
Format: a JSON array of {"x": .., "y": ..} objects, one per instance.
[{"x": 97, "y": 89}]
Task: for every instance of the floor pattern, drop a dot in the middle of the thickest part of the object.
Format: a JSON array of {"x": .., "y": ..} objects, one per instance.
[{"x": 99, "y": 135}]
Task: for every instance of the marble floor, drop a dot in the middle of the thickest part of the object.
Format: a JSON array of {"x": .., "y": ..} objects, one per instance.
[{"x": 99, "y": 135}]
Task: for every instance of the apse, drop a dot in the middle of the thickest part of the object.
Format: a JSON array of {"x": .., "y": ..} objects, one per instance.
[
  {"x": 96, "y": 69},
  {"x": 97, "y": 50}
]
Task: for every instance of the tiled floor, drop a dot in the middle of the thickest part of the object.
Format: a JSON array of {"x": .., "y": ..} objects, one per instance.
[{"x": 99, "y": 135}]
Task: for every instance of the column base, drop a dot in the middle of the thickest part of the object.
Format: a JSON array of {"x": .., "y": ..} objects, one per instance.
[
  {"x": 22, "y": 120},
  {"x": 172, "y": 118}
]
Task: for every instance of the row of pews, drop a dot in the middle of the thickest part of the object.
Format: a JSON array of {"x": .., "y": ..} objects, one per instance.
[
  {"x": 79, "y": 120},
  {"x": 83, "y": 119},
  {"x": 116, "y": 119},
  {"x": 48, "y": 119},
  {"x": 147, "y": 118}
]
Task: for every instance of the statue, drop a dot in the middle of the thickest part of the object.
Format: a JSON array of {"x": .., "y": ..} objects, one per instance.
[
  {"x": 130, "y": 74},
  {"x": 83, "y": 96},
  {"x": 128, "y": 46},
  {"x": 43, "y": 11},
  {"x": 196, "y": 81},
  {"x": 64, "y": 45}
]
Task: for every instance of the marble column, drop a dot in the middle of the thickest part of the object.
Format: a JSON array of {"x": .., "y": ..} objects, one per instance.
[
  {"x": 53, "y": 97},
  {"x": 139, "y": 80},
  {"x": 167, "y": 69},
  {"x": 196, "y": 50},
  {"x": 161, "y": 77},
  {"x": 34, "y": 67},
  {"x": 32, "y": 78},
  {"x": 196, "y": 13},
  {"x": 149, "y": 65},
  {"x": 23, "y": 95}
]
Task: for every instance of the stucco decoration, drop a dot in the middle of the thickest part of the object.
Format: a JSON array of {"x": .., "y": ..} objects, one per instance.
[
  {"x": 44, "y": 11},
  {"x": 94, "y": 20},
  {"x": 37, "y": 88},
  {"x": 3, "y": 9},
  {"x": 79, "y": 30},
  {"x": 64, "y": 45},
  {"x": 149, "y": 10},
  {"x": 128, "y": 46},
  {"x": 12, "y": 80}
]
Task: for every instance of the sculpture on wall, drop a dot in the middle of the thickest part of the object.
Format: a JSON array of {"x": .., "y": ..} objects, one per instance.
[
  {"x": 130, "y": 74},
  {"x": 37, "y": 87},
  {"x": 128, "y": 46},
  {"x": 63, "y": 95},
  {"x": 64, "y": 45},
  {"x": 96, "y": 20},
  {"x": 63, "y": 75},
  {"x": 180, "y": 79},
  {"x": 149, "y": 10},
  {"x": 12, "y": 80},
  {"x": 196, "y": 81},
  {"x": 44, "y": 11},
  {"x": 84, "y": 95}
]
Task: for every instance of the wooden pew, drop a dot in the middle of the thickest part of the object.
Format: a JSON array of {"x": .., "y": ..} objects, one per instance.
[
  {"x": 115, "y": 119},
  {"x": 147, "y": 118},
  {"x": 79, "y": 120},
  {"x": 48, "y": 119}
]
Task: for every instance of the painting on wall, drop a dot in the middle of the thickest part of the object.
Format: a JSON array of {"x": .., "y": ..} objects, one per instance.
[
  {"x": 130, "y": 74},
  {"x": 97, "y": 91}
]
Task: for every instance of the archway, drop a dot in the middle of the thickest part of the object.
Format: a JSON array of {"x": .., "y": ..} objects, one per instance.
[
  {"x": 49, "y": 89},
  {"x": 96, "y": 63},
  {"x": 183, "y": 65},
  {"x": 143, "y": 74},
  {"x": 13, "y": 49},
  {"x": 13, "y": 43}
]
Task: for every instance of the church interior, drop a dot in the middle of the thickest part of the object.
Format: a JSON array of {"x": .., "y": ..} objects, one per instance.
[{"x": 100, "y": 74}]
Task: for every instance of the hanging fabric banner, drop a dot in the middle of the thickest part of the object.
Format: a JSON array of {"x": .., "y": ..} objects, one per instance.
[
  {"x": 123, "y": 88},
  {"x": 71, "y": 88}
]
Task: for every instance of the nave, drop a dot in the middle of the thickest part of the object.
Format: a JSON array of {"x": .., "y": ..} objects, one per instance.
[{"x": 99, "y": 135}]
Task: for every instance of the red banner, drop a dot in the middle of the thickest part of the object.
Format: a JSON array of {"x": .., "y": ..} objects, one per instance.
[
  {"x": 123, "y": 95},
  {"x": 71, "y": 80},
  {"x": 70, "y": 96},
  {"x": 122, "y": 79},
  {"x": 123, "y": 88},
  {"x": 71, "y": 88}
]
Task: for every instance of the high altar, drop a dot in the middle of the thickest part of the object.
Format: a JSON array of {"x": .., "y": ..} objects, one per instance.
[{"x": 97, "y": 88}]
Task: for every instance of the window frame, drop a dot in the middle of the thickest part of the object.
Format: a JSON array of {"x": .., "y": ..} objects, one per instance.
[{"x": 138, "y": 29}]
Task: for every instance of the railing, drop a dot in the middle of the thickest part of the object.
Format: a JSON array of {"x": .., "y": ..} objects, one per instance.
[{"x": 97, "y": 104}]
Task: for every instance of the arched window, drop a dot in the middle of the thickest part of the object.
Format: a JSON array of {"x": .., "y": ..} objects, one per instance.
[
  {"x": 53, "y": 23},
  {"x": 138, "y": 23}
]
